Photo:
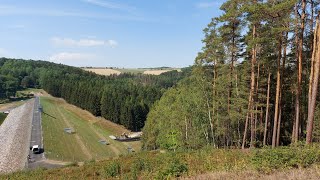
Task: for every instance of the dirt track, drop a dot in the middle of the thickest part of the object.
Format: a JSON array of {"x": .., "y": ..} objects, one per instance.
[{"x": 15, "y": 138}]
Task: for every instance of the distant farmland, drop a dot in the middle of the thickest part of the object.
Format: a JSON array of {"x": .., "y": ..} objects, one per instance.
[
  {"x": 106, "y": 72},
  {"x": 151, "y": 71}
]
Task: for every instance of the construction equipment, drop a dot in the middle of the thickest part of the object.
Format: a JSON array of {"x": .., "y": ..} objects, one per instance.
[{"x": 127, "y": 137}]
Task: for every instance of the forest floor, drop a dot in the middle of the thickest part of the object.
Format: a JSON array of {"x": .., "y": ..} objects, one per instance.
[{"x": 83, "y": 144}]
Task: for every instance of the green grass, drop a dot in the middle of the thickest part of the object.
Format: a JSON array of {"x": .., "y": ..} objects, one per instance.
[
  {"x": 66, "y": 147},
  {"x": 2, "y": 117},
  {"x": 169, "y": 165},
  {"x": 57, "y": 144}
]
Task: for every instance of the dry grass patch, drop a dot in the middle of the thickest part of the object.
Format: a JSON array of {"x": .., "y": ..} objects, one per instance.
[
  {"x": 105, "y": 72},
  {"x": 312, "y": 173},
  {"x": 158, "y": 72},
  {"x": 4, "y": 107}
]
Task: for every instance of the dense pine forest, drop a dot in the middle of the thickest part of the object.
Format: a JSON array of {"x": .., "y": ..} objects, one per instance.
[
  {"x": 124, "y": 99},
  {"x": 255, "y": 82}
]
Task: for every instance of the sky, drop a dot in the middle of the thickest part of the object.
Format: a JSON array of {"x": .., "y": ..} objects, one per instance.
[{"x": 105, "y": 33}]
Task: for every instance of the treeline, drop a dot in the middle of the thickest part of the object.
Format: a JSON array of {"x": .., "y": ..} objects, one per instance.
[
  {"x": 124, "y": 99},
  {"x": 254, "y": 82}
]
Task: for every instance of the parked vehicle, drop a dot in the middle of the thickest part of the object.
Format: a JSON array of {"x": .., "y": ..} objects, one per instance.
[{"x": 35, "y": 149}]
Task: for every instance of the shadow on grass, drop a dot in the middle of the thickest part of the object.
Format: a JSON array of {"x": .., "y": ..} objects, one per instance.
[{"x": 48, "y": 115}]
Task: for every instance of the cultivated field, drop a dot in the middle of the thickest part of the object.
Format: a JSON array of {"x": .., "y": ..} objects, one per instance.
[
  {"x": 158, "y": 72},
  {"x": 108, "y": 72},
  {"x": 83, "y": 145}
]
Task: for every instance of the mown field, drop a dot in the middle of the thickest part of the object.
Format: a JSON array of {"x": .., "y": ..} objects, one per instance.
[
  {"x": 82, "y": 145},
  {"x": 207, "y": 163}
]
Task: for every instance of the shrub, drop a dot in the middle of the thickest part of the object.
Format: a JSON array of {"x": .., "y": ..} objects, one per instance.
[
  {"x": 174, "y": 169},
  {"x": 286, "y": 157},
  {"x": 112, "y": 170}
]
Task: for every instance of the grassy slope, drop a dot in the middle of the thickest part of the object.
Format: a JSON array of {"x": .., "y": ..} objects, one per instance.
[
  {"x": 208, "y": 163},
  {"x": 2, "y": 117},
  {"x": 81, "y": 146}
]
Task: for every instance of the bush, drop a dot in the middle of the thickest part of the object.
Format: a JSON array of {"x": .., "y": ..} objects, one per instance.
[
  {"x": 112, "y": 170},
  {"x": 174, "y": 169},
  {"x": 267, "y": 160}
]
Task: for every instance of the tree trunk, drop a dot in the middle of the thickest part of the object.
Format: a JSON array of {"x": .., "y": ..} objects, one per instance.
[
  {"x": 312, "y": 62},
  {"x": 267, "y": 112},
  {"x": 299, "y": 75},
  {"x": 294, "y": 134},
  {"x": 276, "y": 106},
  {"x": 213, "y": 103},
  {"x": 257, "y": 100},
  {"x": 314, "y": 91},
  {"x": 246, "y": 127},
  {"x": 252, "y": 90},
  {"x": 281, "y": 86}
]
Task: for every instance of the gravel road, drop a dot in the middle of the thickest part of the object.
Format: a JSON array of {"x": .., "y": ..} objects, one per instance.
[{"x": 14, "y": 146}]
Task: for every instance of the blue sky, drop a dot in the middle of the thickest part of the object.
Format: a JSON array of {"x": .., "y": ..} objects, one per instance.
[{"x": 131, "y": 34}]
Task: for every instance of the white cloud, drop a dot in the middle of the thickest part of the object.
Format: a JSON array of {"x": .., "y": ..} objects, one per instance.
[
  {"x": 112, "y": 43},
  {"x": 110, "y": 5},
  {"x": 71, "y": 58},
  {"x": 83, "y": 42},
  {"x": 208, "y": 4},
  {"x": 12, "y": 10}
]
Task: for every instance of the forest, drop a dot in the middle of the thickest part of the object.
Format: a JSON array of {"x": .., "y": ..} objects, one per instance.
[
  {"x": 124, "y": 99},
  {"x": 254, "y": 83}
]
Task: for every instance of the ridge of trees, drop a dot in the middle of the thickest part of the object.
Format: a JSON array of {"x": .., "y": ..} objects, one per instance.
[{"x": 124, "y": 99}]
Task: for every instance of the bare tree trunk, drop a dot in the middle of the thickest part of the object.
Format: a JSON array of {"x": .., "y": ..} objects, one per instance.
[
  {"x": 246, "y": 127},
  {"x": 239, "y": 134},
  {"x": 278, "y": 130},
  {"x": 257, "y": 100},
  {"x": 252, "y": 87},
  {"x": 267, "y": 112},
  {"x": 299, "y": 75},
  {"x": 213, "y": 103},
  {"x": 281, "y": 86},
  {"x": 276, "y": 106},
  {"x": 314, "y": 91},
  {"x": 294, "y": 137},
  {"x": 312, "y": 61}
]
